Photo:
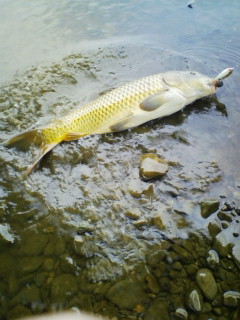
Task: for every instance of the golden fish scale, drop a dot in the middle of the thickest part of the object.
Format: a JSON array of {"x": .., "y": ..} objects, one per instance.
[{"x": 111, "y": 106}]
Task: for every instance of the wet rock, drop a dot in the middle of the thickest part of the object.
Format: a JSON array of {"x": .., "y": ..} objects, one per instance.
[
  {"x": 140, "y": 223},
  {"x": 222, "y": 244},
  {"x": 34, "y": 244},
  {"x": 133, "y": 213},
  {"x": 138, "y": 188},
  {"x": 207, "y": 283},
  {"x": 19, "y": 310},
  {"x": 236, "y": 254},
  {"x": 231, "y": 298},
  {"x": 214, "y": 228},
  {"x": 63, "y": 286},
  {"x": 30, "y": 264},
  {"x": 152, "y": 166},
  {"x": 29, "y": 294},
  {"x": 194, "y": 300},
  {"x": 184, "y": 255},
  {"x": 152, "y": 283},
  {"x": 208, "y": 207},
  {"x": 126, "y": 294},
  {"x": 224, "y": 216},
  {"x": 56, "y": 246},
  {"x": 158, "y": 310}
]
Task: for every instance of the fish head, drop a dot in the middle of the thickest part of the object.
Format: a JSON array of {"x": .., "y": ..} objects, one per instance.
[{"x": 191, "y": 84}]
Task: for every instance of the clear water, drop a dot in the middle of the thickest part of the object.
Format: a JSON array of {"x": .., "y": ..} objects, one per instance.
[{"x": 57, "y": 55}]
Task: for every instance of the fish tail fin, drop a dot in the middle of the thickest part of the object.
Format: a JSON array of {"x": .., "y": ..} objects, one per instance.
[
  {"x": 32, "y": 136},
  {"x": 44, "y": 150}
]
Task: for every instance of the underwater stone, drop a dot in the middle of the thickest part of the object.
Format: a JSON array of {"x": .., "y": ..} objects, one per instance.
[
  {"x": 34, "y": 244},
  {"x": 158, "y": 310},
  {"x": 63, "y": 286},
  {"x": 133, "y": 213},
  {"x": 208, "y": 207},
  {"x": 222, "y": 245},
  {"x": 236, "y": 254},
  {"x": 184, "y": 255},
  {"x": 126, "y": 294},
  {"x": 231, "y": 298},
  {"x": 30, "y": 264},
  {"x": 152, "y": 166},
  {"x": 207, "y": 283},
  {"x": 152, "y": 283}
]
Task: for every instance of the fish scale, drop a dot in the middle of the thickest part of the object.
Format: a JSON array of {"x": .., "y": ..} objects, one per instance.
[{"x": 129, "y": 105}]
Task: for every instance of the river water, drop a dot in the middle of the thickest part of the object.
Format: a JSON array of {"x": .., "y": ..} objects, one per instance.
[{"x": 84, "y": 231}]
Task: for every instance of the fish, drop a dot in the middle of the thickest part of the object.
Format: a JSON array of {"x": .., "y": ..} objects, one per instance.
[{"x": 128, "y": 106}]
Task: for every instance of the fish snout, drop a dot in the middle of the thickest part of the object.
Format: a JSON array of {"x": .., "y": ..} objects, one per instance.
[{"x": 218, "y": 83}]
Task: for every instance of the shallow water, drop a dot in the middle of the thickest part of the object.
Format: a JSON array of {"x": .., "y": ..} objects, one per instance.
[{"x": 84, "y": 221}]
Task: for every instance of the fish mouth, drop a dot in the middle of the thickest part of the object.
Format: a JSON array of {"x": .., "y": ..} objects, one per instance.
[{"x": 218, "y": 83}]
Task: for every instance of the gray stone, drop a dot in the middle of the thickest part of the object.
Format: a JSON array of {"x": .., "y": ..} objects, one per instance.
[
  {"x": 63, "y": 286},
  {"x": 208, "y": 207},
  {"x": 207, "y": 283},
  {"x": 158, "y": 310},
  {"x": 126, "y": 294},
  {"x": 152, "y": 166}
]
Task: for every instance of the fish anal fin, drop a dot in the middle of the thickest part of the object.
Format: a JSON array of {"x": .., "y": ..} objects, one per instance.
[
  {"x": 45, "y": 149},
  {"x": 73, "y": 136},
  {"x": 154, "y": 101},
  {"x": 122, "y": 124}
]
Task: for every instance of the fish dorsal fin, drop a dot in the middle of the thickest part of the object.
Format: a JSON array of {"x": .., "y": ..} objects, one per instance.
[{"x": 154, "y": 101}]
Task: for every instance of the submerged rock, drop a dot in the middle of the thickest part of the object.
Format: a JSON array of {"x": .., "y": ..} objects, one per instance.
[
  {"x": 152, "y": 166},
  {"x": 236, "y": 254},
  {"x": 126, "y": 294},
  {"x": 208, "y": 207},
  {"x": 158, "y": 310},
  {"x": 63, "y": 286},
  {"x": 207, "y": 283}
]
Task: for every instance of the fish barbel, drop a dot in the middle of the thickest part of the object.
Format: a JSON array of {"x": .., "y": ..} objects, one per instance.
[{"x": 125, "y": 107}]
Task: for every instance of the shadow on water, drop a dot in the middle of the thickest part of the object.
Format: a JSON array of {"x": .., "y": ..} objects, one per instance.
[{"x": 84, "y": 230}]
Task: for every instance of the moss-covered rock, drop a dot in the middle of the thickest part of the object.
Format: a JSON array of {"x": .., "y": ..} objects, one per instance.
[
  {"x": 209, "y": 206},
  {"x": 63, "y": 287},
  {"x": 126, "y": 294},
  {"x": 207, "y": 283}
]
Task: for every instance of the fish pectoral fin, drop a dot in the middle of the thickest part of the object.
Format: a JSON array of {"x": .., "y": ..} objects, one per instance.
[
  {"x": 73, "y": 136},
  {"x": 45, "y": 149},
  {"x": 121, "y": 124},
  {"x": 154, "y": 101}
]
